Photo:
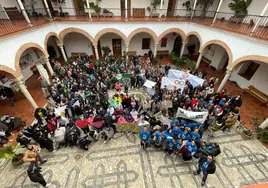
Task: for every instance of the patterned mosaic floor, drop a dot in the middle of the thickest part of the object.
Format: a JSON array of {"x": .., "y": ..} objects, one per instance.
[{"x": 121, "y": 163}]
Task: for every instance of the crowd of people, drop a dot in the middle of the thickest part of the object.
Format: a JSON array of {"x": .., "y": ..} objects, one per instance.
[{"x": 79, "y": 110}]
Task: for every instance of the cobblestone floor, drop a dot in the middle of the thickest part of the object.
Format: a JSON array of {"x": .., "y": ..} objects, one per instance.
[{"x": 121, "y": 163}]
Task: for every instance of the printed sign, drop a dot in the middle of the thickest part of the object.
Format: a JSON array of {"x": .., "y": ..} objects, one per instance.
[{"x": 199, "y": 117}]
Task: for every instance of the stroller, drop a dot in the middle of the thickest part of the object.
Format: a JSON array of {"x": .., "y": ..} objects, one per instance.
[
  {"x": 13, "y": 123},
  {"x": 84, "y": 141},
  {"x": 72, "y": 134}
]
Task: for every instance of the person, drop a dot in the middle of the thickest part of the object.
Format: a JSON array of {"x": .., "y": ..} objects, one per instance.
[
  {"x": 145, "y": 136},
  {"x": 32, "y": 155},
  {"x": 10, "y": 94},
  {"x": 207, "y": 166},
  {"x": 36, "y": 177}
]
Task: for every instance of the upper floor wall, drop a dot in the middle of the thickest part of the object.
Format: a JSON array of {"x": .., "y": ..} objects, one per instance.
[{"x": 236, "y": 46}]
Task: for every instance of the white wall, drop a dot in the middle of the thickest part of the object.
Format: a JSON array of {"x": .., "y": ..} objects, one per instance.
[
  {"x": 170, "y": 42},
  {"x": 39, "y": 7},
  {"x": 258, "y": 80},
  {"x": 136, "y": 44},
  {"x": 147, "y": 3},
  {"x": 113, "y": 6},
  {"x": 75, "y": 43},
  {"x": 9, "y": 3},
  {"x": 106, "y": 40},
  {"x": 68, "y": 6},
  {"x": 217, "y": 55}
]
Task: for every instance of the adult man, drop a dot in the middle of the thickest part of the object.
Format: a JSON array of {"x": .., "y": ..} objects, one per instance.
[
  {"x": 145, "y": 137},
  {"x": 33, "y": 156},
  {"x": 207, "y": 165}
]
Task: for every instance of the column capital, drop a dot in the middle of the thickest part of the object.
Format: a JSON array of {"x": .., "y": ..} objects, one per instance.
[
  {"x": 201, "y": 53},
  {"x": 60, "y": 45},
  {"x": 95, "y": 45},
  {"x": 156, "y": 44},
  {"x": 228, "y": 71}
]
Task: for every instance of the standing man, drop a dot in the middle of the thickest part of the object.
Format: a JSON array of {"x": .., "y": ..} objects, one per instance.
[
  {"x": 145, "y": 137},
  {"x": 207, "y": 165},
  {"x": 33, "y": 156},
  {"x": 37, "y": 177},
  {"x": 10, "y": 94}
]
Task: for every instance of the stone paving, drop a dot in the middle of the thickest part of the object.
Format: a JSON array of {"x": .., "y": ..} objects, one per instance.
[{"x": 121, "y": 163}]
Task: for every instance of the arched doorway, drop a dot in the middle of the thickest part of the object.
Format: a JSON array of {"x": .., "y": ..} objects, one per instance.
[
  {"x": 193, "y": 46},
  {"x": 77, "y": 44},
  {"x": 141, "y": 41},
  {"x": 111, "y": 40},
  {"x": 177, "y": 45},
  {"x": 32, "y": 67}
]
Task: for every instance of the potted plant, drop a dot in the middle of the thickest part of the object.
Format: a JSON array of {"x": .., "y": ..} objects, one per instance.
[
  {"x": 59, "y": 5},
  {"x": 154, "y": 4},
  {"x": 155, "y": 61},
  {"x": 106, "y": 50},
  {"x": 10, "y": 152},
  {"x": 204, "y": 4},
  {"x": 247, "y": 134},
  {"x": 240, "y": 8}
]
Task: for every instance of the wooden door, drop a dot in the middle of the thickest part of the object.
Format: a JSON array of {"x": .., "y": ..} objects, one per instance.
[
  {"x": 128, "y": 8},
  {"x": 177, "y": 45},
  {"x": 99, "y": 50},
  {"x": 79, "y": 7},
  {"x": 117, "y": 50},
  {"x": 171, "y": 8},
  {"x": 123, "y": 7}
]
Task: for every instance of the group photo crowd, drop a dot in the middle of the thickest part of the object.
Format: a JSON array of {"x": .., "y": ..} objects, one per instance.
[{"x": 168, "y": 108}]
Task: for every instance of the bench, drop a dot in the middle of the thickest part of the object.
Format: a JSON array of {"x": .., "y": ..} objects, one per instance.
[{"x": 258, "y": 94}]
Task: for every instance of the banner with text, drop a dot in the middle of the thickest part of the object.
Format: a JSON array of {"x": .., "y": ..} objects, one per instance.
[{"x": 199, "y": 117}]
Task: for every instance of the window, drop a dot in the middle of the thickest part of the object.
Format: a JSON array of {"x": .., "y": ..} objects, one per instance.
[
  {"x": 248, "y": 69},
  {"x": 146, "y": 43}
]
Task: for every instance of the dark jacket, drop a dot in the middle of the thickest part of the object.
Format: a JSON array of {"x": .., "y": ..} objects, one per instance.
[{"x": 211, "y": 168}]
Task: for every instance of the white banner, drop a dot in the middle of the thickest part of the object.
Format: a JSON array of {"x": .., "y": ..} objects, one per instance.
[
  {"x": 60, "y": 111},
  {"x": 199, "y": 117},
  {"x": 165, "y": 120},
  {"x": 77, "y": 103},
  {"x": 194, "y": 80},
  {"x": 170, "y": 83},
  {"x": 149, "y": 84}
]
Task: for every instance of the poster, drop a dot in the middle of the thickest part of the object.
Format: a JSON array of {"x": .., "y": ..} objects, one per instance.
[
  {"x": 60, "y": 111},
  {"x": 164, "y": 42},
  {"x": 170, "y": 83}
]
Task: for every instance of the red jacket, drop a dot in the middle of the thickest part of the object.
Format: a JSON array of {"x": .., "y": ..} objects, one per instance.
[{"x": 52, "y": 124}]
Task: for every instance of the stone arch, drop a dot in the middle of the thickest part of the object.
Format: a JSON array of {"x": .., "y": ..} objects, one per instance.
[
  {"x": 240, "y": 60},
  {"x": 51, "y": 34},
  {"x": 22, "y": 49},
  {"x": 109, "y": 30},
  {"x": 64, "y": 32},
  {"x": 222, "y": 44},
  {"x": 173, "y": 30},
  {"x": 195, "y": 34},
  {"x": 143, "y": 30},
  {"x": 8, "y": 70}
]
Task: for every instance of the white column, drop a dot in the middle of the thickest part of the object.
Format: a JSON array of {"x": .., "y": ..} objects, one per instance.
[
  {"x": 25, "y": 92},
  {"x": 48, "y": 11},
  {"x": 127, "y": 52},
  {"x": 96, "y": 51},
  {"x": 24, "y": 13},
  {"x": 218, "y": 9},
  {"x": 63, "y": 52},
  {"x": 155, "y": 50},
  {"x": 225, "y": 79},
  {"x": 182, "y": 48},
  {"x": 264, "y": 124},
  {"x": 88, "y": 7},
  {"x": 259, "y": 18},
  {"x": 199, "y": 59},
  {"x": 125, "y": 10},
  {"x": 42, "y": 71},
  {"x": 195, "y": 1},
  {"x": 161, "y": 7},
  {"x": 46, "y": 59}
]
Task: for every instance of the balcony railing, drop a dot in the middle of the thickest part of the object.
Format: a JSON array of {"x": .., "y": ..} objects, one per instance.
[
  {"x": 12, "y": 21},
  {"x": 253, "y": 25}
]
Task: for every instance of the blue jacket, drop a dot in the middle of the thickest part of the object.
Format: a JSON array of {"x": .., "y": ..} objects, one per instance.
[{"x": 145, "y": 135}]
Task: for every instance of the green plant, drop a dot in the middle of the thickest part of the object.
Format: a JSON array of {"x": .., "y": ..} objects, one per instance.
[
  {"x": 106, "y": 50},
  {"x": 155, "y": 61},
  {"x": 96, "y": 7},
  {"x": 106, "y": 11},
  {"x": 191, "y": 64},
  {"x": 96, "y": 63},
  {"x": 176, "y": 60},
  {"x": 205, "y": 4},
  {"x": 59, "y": 4},
  {"x": 155, "y": 3},
  {"x": 9, "y": 151},
  {"x": 240, "y": 7}
]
